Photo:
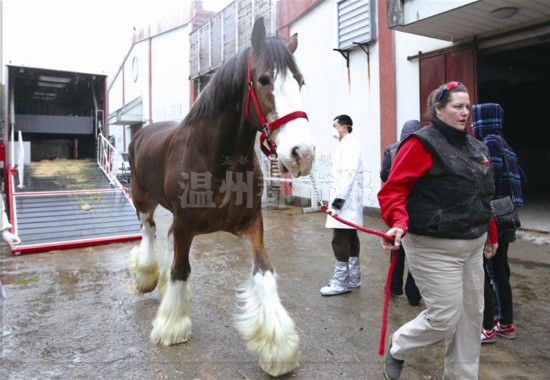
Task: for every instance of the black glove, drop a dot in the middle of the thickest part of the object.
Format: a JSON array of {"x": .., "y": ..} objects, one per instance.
[{"x": 338, "y": 203}]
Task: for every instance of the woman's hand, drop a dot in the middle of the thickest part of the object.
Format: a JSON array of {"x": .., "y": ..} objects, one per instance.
[
  {"x": 397, "y": 233},
  {"x": 490, "y": 249}
]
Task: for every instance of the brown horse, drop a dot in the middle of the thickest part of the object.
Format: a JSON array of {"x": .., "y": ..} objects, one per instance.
[{"x": 205, "y": 171}]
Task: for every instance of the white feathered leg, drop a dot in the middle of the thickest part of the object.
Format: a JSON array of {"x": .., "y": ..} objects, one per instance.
[
  {"x": 168, "y": 258},
  {"x": 143, "y": 263},
  {"x": 172, "y": 324},
  {"x": 266, "y": 326}
]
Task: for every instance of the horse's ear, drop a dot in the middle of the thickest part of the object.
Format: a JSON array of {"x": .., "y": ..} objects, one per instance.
[
  {"x": 258, "y": 34},
  {"x": 292, "y": 43}
]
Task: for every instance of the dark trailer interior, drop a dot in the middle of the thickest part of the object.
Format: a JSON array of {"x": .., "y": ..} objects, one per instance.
[
  {"x": 58, "y": 112},
  {"x": 63, "y": 193}
]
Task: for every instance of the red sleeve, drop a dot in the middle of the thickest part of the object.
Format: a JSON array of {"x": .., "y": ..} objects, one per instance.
[
  {"x": 492, "y": 234},
  {"x": 411, "y": 162}
]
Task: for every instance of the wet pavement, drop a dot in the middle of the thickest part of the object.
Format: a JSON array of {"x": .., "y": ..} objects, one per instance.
[{"x": 74, "y": 314}]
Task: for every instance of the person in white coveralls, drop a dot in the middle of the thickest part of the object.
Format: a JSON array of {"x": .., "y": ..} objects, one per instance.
[{"x": 346, "y": 200}]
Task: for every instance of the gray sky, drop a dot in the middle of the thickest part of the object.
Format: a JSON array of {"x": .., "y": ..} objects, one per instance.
[{"x": 81, "y": 35}]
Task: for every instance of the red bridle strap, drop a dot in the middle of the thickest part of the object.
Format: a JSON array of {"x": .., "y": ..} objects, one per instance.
[{"x": 269, "y": 148}]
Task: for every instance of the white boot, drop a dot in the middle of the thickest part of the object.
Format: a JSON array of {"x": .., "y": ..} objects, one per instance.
[
  {"x": 354, "y": 272},
  {"x": 339, "y": 284}
]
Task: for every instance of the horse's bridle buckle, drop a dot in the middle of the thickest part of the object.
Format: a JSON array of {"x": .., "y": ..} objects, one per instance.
[
  {"x": 268, "y": 146},
  {"x": 267, "y": 132}
]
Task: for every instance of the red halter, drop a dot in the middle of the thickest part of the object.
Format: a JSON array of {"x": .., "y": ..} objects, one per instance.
[{"x": 266, "y": 144}]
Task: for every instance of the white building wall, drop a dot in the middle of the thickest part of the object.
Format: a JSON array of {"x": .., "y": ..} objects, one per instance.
[
  {"x": 329, "y": 92},
  {"x": 115, "y": 94},
  {"x": 170, "y": 74},
  {"x": 137, "y": 86},
  {"x": 131, "y": 82}
]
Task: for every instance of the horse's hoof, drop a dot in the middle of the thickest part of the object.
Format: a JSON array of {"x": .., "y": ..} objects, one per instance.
[
  {"x": 167, "y": 335},
  {"x": 145, "y": 276},
  {"x": 146, "y": 282},
  {"x": 278, "y": 369},
  {"x": 266, "y": 326},
  {"x": 282, "y": 359}
]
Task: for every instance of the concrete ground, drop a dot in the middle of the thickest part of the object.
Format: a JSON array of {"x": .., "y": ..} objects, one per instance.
[{"x": 74, "y": 314}]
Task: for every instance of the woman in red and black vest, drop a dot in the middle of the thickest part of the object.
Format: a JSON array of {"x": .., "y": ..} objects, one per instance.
[{"x": 436, "y": 203}]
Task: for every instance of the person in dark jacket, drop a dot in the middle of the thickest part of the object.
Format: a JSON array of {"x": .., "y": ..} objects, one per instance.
[
  {"x": 396, "y": 288},
  {"x": 408, "y": 129},
  {"x": 487, "y": 120},
  {"x": 437, "y": 204}
]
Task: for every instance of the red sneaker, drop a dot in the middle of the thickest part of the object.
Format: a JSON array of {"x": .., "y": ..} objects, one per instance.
[
  {"x": 488, "y": 336},
  {"x": 508, "y": 332}
]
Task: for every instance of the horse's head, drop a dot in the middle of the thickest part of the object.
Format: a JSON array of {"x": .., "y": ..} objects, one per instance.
[{"x": 274, "y": 82}]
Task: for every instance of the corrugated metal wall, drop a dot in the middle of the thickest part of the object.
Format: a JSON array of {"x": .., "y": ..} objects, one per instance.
[{"x": 226, "y": 33}]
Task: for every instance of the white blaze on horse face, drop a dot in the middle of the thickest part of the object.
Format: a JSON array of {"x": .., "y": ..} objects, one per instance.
[{"x": 294, "y": 140}]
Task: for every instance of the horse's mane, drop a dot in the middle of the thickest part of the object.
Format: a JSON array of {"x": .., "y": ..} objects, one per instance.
[{"x": 228, "y": 83}]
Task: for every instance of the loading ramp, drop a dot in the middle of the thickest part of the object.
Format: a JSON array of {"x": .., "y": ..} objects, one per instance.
[{"x": 69, "y": 204}]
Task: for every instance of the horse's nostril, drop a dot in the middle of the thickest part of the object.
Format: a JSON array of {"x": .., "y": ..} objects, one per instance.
[
  {"x": 308, "y": 156},
  {"x": 301, "y": 157}
]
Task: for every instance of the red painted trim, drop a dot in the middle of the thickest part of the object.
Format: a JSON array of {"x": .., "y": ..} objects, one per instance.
[
  {"x": 22, "y": 249},
  {"x": 9, "y": 174},
  {"x": 7, "y": 124},
  {"x": 290, "y": 10},
  {"x": 192, "y": 95},
  {"x": 388, "y": 118}
]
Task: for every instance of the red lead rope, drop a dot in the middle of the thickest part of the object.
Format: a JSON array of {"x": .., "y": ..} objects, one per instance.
[
  {"x": 385, "y": 309},
  {"x": 384, "y": 327}
]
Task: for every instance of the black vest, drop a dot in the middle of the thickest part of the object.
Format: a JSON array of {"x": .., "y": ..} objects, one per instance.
[{"x": 452, "y": 199}]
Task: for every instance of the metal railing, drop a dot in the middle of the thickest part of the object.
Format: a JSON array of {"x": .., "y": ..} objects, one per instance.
[{"x": 111, "y": 162}]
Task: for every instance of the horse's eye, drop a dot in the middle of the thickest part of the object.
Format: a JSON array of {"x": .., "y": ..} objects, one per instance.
[{"x": 264, "y": 81}]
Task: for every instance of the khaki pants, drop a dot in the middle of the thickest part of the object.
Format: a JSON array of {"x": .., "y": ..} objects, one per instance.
[{"x": 449, "y": 274}]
